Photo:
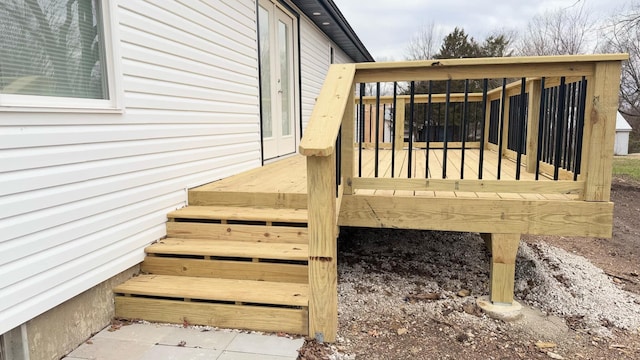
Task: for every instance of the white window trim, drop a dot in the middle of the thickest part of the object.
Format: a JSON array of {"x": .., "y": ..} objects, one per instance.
[{"x": 34, "y": 103}]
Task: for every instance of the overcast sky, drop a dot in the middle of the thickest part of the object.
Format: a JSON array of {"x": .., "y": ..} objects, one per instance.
[{"x": 386, "y": 26}]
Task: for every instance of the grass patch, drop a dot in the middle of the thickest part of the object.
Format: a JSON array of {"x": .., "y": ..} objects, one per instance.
[{"x": 627, "y": 166}]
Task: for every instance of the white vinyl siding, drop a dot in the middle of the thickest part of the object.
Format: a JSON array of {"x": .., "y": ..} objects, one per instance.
[
  {"x": 315, "y": 58},
  {"x": 82, "y": 194}
]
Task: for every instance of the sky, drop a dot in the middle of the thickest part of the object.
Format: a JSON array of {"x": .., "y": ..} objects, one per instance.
[{"x": 386, "y": 26}]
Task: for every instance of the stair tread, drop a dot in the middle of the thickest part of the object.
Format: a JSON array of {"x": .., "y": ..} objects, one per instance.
[
  {"x": 247, "y": 291},
  {"x": 241, "y": 213},
  {"x": 230, "y": 248}
]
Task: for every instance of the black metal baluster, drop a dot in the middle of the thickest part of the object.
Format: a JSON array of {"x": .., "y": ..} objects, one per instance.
[
  {"x": 428, "y": 129},
  {"x": 559, "y": 128},
  {"x": 361, "y": 130},
  {"x": 411, "y": 118},
  {"x": 485, "y": 86},
  {"x": 393, "y": 128},
  {"x": 572, "y": 125},
  {"x": 501, "y": 132},
  {"x": 580, "y": 129},
  {"x": 463, "y": 121},
  {"x": 521, "y": 135},
  {"x": 541, "y": 117},
  {"x": 565, "y": 124},
  {"x": 444, "y": 132},
  {"x": 377, "y": 132}
]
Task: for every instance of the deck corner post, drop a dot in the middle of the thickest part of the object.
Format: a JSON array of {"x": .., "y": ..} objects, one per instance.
[
  {"x": 323, "y": 270},
  {"x": 533, "y": 117},
  {"x": 504, "y": 248},
  {"x": 600, "y": 127}
]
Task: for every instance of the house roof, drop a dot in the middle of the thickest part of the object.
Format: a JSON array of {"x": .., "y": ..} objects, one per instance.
[
  {"x": 622, "y": 124},
  {"x": 326, "y": 15}
]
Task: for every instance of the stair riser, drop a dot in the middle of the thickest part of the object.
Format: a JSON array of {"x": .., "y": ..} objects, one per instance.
[
  {"x": 258, "y": 271},
  {"x": 269, "y": 234},
  {"x": 293, "y": 321},
  {"x": 248, "y": 199}
]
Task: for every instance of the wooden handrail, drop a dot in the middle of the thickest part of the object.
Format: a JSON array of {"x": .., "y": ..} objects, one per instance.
[
  {"x": 322, "y": 131},
  {"x": 460, "y": 69}
]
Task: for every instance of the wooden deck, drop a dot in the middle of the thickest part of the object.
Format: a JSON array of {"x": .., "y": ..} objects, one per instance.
[{"x": 258, "y": 250}]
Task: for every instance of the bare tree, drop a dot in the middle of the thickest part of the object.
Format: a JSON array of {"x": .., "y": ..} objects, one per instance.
[
  {"x": 623, "y": 36},
  {"x": 565, "y": 31},
  {"x": 424, "y": 45}
]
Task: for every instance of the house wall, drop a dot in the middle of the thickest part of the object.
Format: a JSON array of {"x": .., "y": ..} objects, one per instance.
[
  {"x": 81, "y": 194},
  {"x": 315, "y": 56}
]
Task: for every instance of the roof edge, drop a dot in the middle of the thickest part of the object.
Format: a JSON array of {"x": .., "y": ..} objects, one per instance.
[{"x": 338, "y": 26}]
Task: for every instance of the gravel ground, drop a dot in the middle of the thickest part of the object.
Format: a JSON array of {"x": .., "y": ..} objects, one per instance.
[{"x": 407, "y": 294}]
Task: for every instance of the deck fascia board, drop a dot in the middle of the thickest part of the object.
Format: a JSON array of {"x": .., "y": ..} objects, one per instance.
[{"x": 549, "y": 217}]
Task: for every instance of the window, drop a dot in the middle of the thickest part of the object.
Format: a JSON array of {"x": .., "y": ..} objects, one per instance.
[{"x": 56, "y": 53}]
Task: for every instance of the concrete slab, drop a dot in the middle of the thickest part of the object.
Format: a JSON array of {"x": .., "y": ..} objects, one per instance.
[
  {"x": 160, "y": 341},
  {"x": 206, "y": 339},
  {"x": 163, "y": 352},
  {"x": 145, "y": 333},
  {"x": 110, "y": 349},
  {"x": 232, "y": 355},
  {"x": 265, "y": 344}
]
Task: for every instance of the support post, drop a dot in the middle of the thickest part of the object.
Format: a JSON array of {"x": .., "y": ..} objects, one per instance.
[
  {"x": 398, "y": 131},
  {"x": 504, "y": 248},
  {"x": 600, "y": 127},
  {"x": 533, "y": 117},
  {"x": 347, "y": 143},
  {"x": 323, "y": 271}
]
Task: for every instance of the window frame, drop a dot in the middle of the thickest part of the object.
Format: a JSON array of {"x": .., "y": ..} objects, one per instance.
[{"x": 114, "y": 104}]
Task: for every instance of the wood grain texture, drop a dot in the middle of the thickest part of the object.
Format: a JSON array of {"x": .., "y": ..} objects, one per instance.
[
  {"x": 258, "y": 318},
  {"x": 258, "y": 292},
  {"x": 504, "y": 248},
  {"x": 523, "y": 216},
  {"x": 253, "y": 233},
  {"x": 469, "y": 185},
  {"x": 322, "y": 131},
  {"x": 323, "y": 272},
  {"x": 602, "y": 123},
  {"x": 229, "y": 248},
  {"x": 225, "y": 269},
  {"x": 240, "y": 213},
  {"x": 347, "y": 140}
]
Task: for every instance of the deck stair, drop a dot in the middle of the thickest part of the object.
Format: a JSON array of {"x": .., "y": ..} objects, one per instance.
[{"x": 226, "y": 266}]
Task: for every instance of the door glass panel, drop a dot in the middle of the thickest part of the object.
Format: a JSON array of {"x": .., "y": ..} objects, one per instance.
[
  {"x": 285, "y": 69},
  {"x": 265, "y": 71}
]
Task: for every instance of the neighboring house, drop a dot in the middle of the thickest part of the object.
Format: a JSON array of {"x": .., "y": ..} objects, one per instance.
[
  {"x": 623, "y": 129},
  {"x": 110, "y": 110}
]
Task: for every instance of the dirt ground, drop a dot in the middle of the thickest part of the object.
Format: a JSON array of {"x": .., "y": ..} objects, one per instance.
[{"x": 407, "y": 294}]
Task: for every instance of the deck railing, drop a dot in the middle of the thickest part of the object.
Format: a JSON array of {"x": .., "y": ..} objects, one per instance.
[{"x": 550, "y": 118}]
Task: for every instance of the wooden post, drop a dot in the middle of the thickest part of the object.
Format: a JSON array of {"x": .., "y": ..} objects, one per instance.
[
  {"x": 323, "y": 271},
  {"x": 600, "y": 128},
  {"x": 398, "y": 131},
  {"x": 347, "y": 143},
  {"x": 504, "y": 248},
  {"x": 533, "y": 118}
]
